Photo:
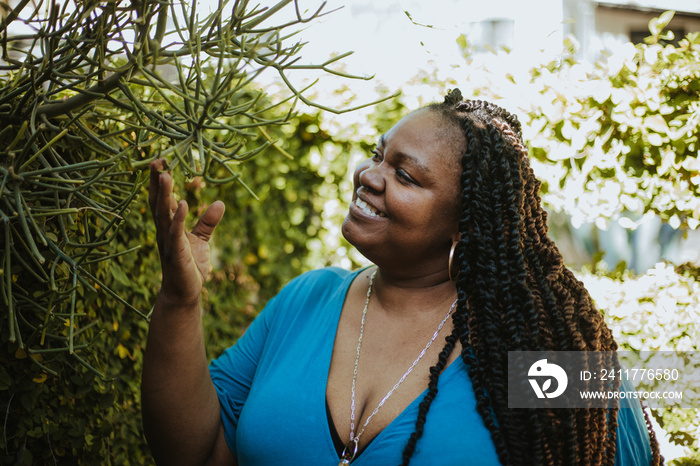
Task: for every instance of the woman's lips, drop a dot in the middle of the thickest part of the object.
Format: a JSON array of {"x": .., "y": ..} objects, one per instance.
[{"x": 367, "y": 209}]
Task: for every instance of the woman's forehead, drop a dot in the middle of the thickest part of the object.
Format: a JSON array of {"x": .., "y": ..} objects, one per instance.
[
  {"x": 427, "y": 125},
  {"x": 425, "y": 138}
]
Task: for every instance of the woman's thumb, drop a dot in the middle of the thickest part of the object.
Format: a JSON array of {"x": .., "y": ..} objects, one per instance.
[{"x": 209, "y": 220}]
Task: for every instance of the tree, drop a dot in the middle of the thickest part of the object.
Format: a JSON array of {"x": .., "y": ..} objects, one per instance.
[
  {"x": 90, "y": 93},
  {"x": 626, "y": 131}
]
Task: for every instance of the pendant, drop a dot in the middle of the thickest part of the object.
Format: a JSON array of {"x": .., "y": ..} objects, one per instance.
[{"x": 349, "y": 452}]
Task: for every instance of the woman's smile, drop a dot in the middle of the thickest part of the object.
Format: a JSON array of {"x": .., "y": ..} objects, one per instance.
[
  {"x": 366, "y": 206},
  {"x": 368, "y": 209}
]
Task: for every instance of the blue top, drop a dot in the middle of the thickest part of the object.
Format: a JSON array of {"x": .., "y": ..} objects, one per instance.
[{"x": 272, "y": 390}]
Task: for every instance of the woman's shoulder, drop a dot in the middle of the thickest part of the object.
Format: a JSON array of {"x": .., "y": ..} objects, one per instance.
[
  {"x": 320, "y": 285},
  {"x": 633, "y": 443},
  {"x": 325, "y": 279},
  {"x": 325, "y": 275}
]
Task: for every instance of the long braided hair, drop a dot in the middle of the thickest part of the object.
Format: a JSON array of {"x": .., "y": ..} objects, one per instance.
[{"x": 515, "y": 294}]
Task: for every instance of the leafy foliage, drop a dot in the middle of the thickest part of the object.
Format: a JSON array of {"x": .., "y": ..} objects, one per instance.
[
  {"x": 101, "y": 91},
  {"x": 75, "y": 417},
  {"x": 621, "y": 138},
  {"x": 259, "y": 246},
  {"x": 657, "y": 311},
  {"x": 86, "y": 102}
]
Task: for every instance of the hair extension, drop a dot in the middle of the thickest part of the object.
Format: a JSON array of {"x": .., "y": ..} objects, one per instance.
[
  {"x": 515, "y": 294},
  {"x": 430, "y": 396}
]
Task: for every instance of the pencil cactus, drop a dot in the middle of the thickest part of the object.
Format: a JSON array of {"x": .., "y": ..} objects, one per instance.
[{"x": 90, "y": 93}]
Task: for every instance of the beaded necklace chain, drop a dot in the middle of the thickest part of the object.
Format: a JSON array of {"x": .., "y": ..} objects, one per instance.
[{"x": 350, "y": 450}]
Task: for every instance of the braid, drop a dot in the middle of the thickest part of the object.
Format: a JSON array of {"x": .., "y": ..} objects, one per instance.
[
  {"x": 430, "y": 396},
  {"x": 525, "y": 299}
]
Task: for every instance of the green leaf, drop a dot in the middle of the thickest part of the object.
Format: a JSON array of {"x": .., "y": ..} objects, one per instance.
[
  {"x": 119, "y": 275},
  {"x": 656, "y": 25},
  {"x": 665, "y": 18},
  {"x": 462, "y": 41}
]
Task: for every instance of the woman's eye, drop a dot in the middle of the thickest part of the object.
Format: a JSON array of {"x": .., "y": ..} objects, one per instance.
[
  {"x": 404, "y": 176},
  {"x": 400, "y": 173}
]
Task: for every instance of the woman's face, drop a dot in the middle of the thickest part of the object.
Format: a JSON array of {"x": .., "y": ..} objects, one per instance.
[{"x": 405, "y": 203}]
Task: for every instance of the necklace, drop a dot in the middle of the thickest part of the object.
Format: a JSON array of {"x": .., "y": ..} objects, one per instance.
[{"x": 352, "y": 446}]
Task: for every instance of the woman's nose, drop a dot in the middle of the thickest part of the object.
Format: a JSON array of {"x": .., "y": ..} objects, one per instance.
[{"x": 373, "y": 178}]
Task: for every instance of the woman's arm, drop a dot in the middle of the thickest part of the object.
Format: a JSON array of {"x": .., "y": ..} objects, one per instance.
[{"x": 181, "y": 415}]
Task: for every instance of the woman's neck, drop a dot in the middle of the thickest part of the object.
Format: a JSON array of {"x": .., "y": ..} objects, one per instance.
[{"x": 413, "y": 295}]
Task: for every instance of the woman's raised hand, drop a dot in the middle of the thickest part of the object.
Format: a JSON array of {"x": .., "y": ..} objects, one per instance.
[
  {"x": 184, "y": 256},
  {"x": 181, "y": 414}
]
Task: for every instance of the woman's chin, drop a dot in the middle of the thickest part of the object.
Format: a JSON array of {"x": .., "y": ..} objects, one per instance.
[
  {"x": 355, "y": 237},
  {"x": 348, "y": 230}
]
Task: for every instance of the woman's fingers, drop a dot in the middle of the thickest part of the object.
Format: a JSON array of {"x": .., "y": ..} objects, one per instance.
[
  {"x": 160, "y": 189},
  {"x": 154, "y": 185},
  {"x": 170, "y": 215},
  {"x": 165, "y": 203},
  {"x": 177, "y": 224},
  {"x": 183, "y": 256},
  {"x": 209, "y": 220}
]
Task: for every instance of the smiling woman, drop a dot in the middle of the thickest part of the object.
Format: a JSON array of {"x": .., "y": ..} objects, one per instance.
[
  {"x": 411, "y": 184},
  {"x": 341, "y": 367}
]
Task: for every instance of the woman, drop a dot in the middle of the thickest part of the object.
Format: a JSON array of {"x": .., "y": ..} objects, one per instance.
[{"x": 340, "y": 367}]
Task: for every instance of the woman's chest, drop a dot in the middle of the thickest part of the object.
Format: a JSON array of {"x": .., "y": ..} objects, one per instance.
[
  {"x": 374, "y": 378},
  {"x": 284, "y": 418}
]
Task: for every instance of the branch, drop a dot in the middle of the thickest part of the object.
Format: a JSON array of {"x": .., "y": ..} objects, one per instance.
[
  {"x": 86, "y": 96},
  {"x": 13, "y": 15}
]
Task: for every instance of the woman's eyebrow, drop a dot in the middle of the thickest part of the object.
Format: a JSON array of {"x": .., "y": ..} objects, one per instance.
[
  {"x": 407, "y": 158},
  {"x": 413, "y": 161}
]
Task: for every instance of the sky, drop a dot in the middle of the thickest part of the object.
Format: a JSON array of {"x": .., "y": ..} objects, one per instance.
[
  {"x": 396, "y": 40},
  {"x": 385, "y": 43}
]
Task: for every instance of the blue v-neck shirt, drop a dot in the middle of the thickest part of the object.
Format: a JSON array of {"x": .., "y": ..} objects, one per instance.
[{"x": 272, "y": 390}]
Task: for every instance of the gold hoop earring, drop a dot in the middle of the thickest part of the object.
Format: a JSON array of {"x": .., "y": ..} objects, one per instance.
[{"x": 449, "y": 262}]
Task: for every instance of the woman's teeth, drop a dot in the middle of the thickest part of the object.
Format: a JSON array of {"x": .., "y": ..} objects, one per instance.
[{"x": 366, "y": 208}]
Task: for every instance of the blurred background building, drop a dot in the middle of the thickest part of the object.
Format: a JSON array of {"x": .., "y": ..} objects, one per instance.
[{"x": 598, "y": 25}]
